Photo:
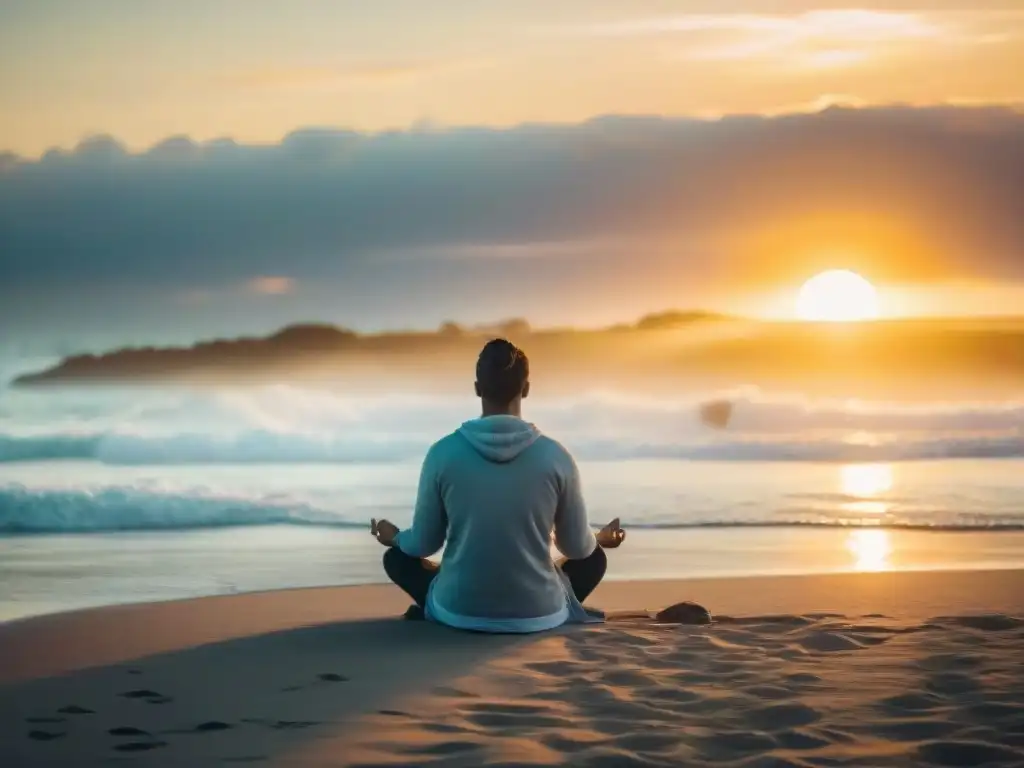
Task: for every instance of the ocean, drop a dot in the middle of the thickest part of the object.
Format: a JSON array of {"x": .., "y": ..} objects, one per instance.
[{"x": 135, "y": 494}]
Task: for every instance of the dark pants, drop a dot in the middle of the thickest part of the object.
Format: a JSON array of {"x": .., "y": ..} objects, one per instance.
[{"x": 414, "y": 575}]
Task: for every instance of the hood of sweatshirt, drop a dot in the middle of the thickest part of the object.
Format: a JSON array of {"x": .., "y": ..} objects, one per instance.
[{"x": 499, "y": 438}]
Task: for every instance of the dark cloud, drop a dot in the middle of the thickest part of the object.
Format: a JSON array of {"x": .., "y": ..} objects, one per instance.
[{"x": 327, "y": 203}]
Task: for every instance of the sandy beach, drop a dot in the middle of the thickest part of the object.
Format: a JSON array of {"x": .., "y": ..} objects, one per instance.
[{"x": 903, "y": 669}]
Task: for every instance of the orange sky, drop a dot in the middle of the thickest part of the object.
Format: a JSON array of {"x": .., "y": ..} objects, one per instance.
[
  {"x": 736, "y": 224},
  {"x": 256, "y": 69}
]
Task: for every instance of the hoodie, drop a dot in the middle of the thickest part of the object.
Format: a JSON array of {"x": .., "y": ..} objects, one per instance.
[{"x": 495, "y": 490}]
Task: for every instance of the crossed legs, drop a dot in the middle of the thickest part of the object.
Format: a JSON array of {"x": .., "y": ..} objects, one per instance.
[{"x": 414, "y": 575}]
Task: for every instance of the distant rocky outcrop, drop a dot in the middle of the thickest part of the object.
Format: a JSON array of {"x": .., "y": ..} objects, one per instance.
[
  {"x": 666, "y": 353},
  {"x": 296, "y": 349}
]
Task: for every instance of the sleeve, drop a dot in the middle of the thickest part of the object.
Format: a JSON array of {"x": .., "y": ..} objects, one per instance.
[
  {"x": 573, "y": 535},
  {"x": 429, "y": 521}
]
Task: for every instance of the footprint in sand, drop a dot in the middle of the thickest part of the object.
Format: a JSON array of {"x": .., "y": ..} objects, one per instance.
[
  {"x": 45, "y": 735},
  {"x": 140, "y": 746},
  {"x": 211, "y": 726},
  {"x": 74, "y": 709},
  {"x": 135, "y": 746},
  {"x": 332, "y": 677},
  {"x": 144, "y": 694}
]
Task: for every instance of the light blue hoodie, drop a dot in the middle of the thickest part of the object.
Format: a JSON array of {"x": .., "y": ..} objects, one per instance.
[{"x": 496, "y": 489}]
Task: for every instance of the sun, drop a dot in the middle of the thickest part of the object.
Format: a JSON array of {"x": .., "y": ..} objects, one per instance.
[{"x": 837, "y": 295}]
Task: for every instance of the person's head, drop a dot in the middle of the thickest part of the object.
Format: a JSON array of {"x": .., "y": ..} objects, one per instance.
[{"x": 502, "y": 377}]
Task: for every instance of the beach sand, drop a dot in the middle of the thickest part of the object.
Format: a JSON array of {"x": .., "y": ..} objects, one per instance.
[{"x": 908, "y": 669}]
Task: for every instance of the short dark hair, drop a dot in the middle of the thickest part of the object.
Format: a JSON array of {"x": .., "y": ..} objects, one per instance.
[{"x": 502, "y": 371}]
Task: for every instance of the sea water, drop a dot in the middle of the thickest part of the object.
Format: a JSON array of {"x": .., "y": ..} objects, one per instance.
[{"x": 111, "y": 496}]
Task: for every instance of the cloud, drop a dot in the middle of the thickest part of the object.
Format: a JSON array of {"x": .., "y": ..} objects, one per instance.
[
  {"x": 857, "y": 25},
  {"x": 643, "y": 202},
  {"x": 271, "y": 285},
  {"x": 813, "y": 39}
]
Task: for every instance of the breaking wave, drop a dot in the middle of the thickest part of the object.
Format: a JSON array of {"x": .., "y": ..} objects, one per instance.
[{"x": 110, "y": 509}]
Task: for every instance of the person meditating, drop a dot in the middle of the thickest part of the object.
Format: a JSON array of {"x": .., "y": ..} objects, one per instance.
[{"x": 495, "y": 490}]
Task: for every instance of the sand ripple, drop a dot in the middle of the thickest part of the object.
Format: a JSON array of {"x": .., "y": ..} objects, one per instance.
[{"x": 794, "y": 691}]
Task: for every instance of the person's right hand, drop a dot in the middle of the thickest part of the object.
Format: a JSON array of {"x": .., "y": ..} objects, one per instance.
[{"x": 611, "y": 536}]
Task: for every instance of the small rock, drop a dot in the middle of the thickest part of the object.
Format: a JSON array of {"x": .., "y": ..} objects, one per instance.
[
  {"x": 44, "y": 735},
  {"x": 684, "y": 613}
]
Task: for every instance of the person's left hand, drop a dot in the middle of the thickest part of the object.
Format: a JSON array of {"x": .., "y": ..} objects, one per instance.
[{"x": 384, "y": 531}]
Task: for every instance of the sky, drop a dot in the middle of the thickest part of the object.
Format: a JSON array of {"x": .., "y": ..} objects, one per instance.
[
  {"x": 256, "y": 69},
  {"x": 226, "y": 166}
]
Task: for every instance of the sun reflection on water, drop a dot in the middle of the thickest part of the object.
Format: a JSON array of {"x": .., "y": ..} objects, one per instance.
[
  {"x": 866, "y": 485},
  {"x": 870, "y": 548}
]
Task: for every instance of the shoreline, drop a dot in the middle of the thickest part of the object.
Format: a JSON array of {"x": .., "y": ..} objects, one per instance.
[
  {"x": 610, "y": 579},
  {"x": 51, "y": 575}
]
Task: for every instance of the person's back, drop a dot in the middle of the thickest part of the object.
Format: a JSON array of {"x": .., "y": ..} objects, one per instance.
[
  {"x": 504, "y": 487},
  {"x": 496, "y": 489}
]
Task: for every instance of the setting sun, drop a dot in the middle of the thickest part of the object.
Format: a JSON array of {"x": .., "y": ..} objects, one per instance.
[{"x": 838, "y": 295}]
